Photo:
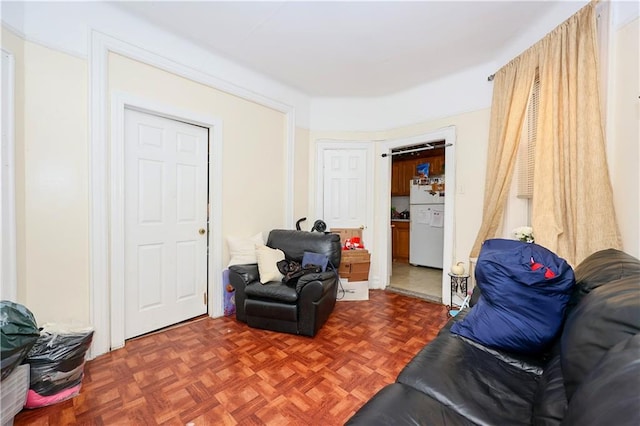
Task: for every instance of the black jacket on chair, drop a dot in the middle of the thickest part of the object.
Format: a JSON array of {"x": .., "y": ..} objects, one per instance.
[{"x": 300, "y": 309}]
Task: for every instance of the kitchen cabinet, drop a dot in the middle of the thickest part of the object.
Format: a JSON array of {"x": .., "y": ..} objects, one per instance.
[
  {"x": 400, "y": 241},
  {"x": 437, "y": 166},
  {"x": 408, "y": 172},
  {"x": 401, "y": 173},
  {"x": 395, "y": 178}
]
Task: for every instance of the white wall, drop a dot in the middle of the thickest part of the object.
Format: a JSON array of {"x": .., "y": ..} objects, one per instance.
[
  {"x": 624, "y": 131},
  {"x": 66, "y": 26},
  {"x": 463, "y": 92}
]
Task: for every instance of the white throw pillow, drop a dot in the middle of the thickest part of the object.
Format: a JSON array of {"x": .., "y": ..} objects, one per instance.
[
  {"x": 242, "y": 250},
  {"x": 267, "y": 263}
]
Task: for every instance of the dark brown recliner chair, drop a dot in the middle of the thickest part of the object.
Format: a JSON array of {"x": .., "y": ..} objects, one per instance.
[{"x": 300, "y": 309}]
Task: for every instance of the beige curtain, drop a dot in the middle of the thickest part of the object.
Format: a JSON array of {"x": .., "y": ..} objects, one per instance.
[
  {"x": 573, "y": 211},
  {"x": 512, "y": 84}
]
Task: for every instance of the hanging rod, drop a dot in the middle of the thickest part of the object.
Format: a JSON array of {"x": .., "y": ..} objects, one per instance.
[{"x": 444, "y": 145}]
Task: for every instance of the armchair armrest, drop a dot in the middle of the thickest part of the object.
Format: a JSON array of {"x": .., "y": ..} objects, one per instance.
[
  {"x": 240, "y": 276},
  {"x": 317, "y": 295},
  {"x": 247, "y": 273},
  {"x": 325, "y": 281}
]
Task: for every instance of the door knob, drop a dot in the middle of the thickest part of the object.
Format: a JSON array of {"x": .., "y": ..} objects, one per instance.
[
  {"x": 362, "y": 226},
  {"x": 201, "y": 231}
]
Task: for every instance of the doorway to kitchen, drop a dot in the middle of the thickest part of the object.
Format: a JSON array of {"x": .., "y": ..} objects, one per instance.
[{"x": 417, "y": 219}]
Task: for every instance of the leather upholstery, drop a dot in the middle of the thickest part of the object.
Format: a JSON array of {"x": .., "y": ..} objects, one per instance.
[
  {"x": 594, "y": 327},
  {"x": 398, "y": 404},
  {"x": 300, "y": 309},
  {"x": 479, "y": 381},
  {"x": 550, "y": 403},
  {"x": 610, "y": 393},
  {"x": 295, "y": 243},
  {"x": 590, "y": 377}
]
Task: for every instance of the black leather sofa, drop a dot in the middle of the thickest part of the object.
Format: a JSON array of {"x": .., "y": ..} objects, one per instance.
[
  {"x": 299, "y": 309},
  {"x": 590, "y": 376}
]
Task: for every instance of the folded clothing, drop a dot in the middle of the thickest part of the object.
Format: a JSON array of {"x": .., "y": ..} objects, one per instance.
[
  {"x": 35, "y": 400},
  {"x": 50, "y": 381},
  {"x": 57, "y": 364}
]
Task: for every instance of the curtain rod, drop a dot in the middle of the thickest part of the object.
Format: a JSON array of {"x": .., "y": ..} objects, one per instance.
[
  {"x": 594, "y": 3},
  {"x": 417, "y": 149}
]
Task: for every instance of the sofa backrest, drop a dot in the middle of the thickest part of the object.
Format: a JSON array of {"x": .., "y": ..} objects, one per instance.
[
  {"x": 606, "y": 312},
  {"x": 601, "y": 268},
  {"x": 295, "y": 243},
  {"x": 610, "y": 393}
]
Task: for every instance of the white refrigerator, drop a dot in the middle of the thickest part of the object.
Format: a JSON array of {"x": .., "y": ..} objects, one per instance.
[{"x": 426, "y": 239}]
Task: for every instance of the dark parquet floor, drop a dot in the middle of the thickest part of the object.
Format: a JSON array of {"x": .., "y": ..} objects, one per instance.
[{"x": 221, "y": 372}]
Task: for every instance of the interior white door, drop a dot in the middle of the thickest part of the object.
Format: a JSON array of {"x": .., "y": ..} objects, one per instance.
[
  {"x": 165, "y": 222},
  {"x": 345, "y": 178}
]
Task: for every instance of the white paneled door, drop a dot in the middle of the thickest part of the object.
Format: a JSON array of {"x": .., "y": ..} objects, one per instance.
[
  {"x": 165, "y": 222},
  {"x": 345, "y": 188}
]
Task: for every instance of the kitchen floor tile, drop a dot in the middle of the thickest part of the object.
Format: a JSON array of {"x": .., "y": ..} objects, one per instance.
[{"x": 419, "y": 281}]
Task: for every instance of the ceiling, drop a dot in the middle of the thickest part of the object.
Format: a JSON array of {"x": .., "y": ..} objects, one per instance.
[{"x": 347, "y": 48}]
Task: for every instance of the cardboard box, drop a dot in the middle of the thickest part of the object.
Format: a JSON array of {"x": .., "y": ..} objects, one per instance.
[
  {"x": 355, "y": 265},
  {"x": 347, "y": 233},
  {"x": 353, "y": 290}
]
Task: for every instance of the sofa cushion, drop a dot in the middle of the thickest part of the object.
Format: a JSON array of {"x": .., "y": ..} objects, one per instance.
[
  {"x": 601, "y": 268},
  {"x": 295, "y": 243},
  {"x": 524, "y": 291},
  {"x": 242, "y": 250},
  {"x": 606, "y": 316},
  {"x": 268, "y": 259},
  {"x": 610, "y": 393},
  {"x": 472, "y": 382},
  {"x": 397, "y": 404},
  {"x": 550, "y": 404},
  {"x": 274, "y": 290}
]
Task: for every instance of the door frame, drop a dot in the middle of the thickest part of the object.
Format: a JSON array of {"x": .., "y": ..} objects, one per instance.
[
  {"x": 116, "y": 168},
  {"x": 8, "y": 227},
  {"x": 100, "y": 46},
  {"x": 383, "y": 209},
  {"x": 322, "y": 145}
]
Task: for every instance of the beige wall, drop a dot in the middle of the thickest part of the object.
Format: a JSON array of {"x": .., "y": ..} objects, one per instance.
[
  {"x": 301, "y": 176},
  {"x": 254, "y": 144},
  {"x": 51, "y": 182},
  {"x": 52, "y": 163},
  {"x": 52, "y": 168},
  {"x": 624, "y": 133},
  {"x": 472, "y": 132}
]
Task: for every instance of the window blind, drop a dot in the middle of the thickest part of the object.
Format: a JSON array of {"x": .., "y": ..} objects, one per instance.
[{"x": 526, "y": 150}]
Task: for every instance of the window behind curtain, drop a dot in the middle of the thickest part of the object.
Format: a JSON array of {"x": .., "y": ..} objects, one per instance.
[
  {"x": 526, "y": 151},
  {"x": 519, "y": 205}
]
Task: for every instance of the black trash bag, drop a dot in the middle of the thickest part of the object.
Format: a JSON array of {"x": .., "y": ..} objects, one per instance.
[
  {"x": 19, "y": 332},
  {"x": 57, "y": 359}
]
